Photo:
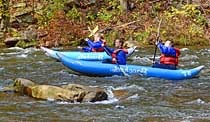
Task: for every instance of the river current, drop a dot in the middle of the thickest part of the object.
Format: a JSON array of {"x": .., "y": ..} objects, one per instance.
[{"x": 148, "y": 99}]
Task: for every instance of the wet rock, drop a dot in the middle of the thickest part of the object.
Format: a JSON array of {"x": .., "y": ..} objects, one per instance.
[
  {"x": 121, "y": 94},
  {"x": 28, "y": 38},
  {"x": 92, "y": 94},
  {"x": 70, "y": 92},
  {"x": 23, "y": 82},
  {"x": 12, "y": 41},
  {"x": 19, "y": 85},
  {"x": 56, "y": 93}
]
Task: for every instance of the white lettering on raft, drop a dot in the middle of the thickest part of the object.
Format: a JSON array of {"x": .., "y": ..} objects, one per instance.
[
  {"x": 90, "y": 56},
  {"x": 187, "y": 73},
  {"x": 131, "y": 70}
]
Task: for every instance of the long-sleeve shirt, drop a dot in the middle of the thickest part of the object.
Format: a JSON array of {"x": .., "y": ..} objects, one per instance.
[
  {"x": 92, "y": 45},
  {"x": 120, "y": 55},
  {"x": 170, "y": 51}
]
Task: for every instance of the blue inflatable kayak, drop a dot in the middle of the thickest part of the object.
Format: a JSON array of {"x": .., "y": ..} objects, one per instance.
[
  {"x": 91, "y": 56},
  {"x": 104, "y": 69}
]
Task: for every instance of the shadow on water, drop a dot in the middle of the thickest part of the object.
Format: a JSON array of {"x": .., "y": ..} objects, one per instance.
[{"x": 146, "y": 99}]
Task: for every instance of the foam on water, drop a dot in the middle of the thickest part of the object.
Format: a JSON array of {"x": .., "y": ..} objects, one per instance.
[
  {"x": 22, "y": 56},
  {"x": 132, "y": 87},
  {"x": 1, "y": 69}
]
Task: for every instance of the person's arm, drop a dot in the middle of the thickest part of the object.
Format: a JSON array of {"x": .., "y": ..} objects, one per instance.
[
  {"x": 86, "y": 49},
  {"x": 167, "y": 50},
  {"x": 89, "y": 42},
  {"x": 121, "y": 57},
  {"x": 94, "y": 44},
  {"x": 108, "y": 50}
]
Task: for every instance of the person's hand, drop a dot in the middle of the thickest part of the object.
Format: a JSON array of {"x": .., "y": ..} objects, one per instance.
[
  {"x": 114, "y": 60},
  {"x": 103, "y": 44},
  {"x": 86, "y": 39},
  {"x": 79, "y": 47}
]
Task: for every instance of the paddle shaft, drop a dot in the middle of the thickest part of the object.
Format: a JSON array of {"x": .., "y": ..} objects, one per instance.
[
  {"x": 121, "y": 69},
  {"x": 155, "y": 52},
  {"x": 157, "y": 40}
]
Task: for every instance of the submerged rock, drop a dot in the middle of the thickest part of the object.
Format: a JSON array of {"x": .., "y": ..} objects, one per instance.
[
  {"x": 70, "y": 92},
  {"x": 121, "y": 94}
]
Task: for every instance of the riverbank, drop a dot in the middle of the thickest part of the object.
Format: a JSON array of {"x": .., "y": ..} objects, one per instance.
[{"x": 54, "y": 24}]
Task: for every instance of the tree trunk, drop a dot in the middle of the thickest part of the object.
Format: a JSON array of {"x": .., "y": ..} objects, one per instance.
[
  {"x": 5, "y": 15},
  {"x": 124, "y": 4}
]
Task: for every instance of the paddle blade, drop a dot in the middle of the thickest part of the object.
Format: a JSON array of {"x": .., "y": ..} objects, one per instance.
[
  {"x": 95, "y": 29},
  {"x": 92, "y": 32},
  {"x": 124, "y": 73}
]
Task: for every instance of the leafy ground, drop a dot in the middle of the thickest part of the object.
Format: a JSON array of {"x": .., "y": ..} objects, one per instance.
[{"x": 66, "y": 23}]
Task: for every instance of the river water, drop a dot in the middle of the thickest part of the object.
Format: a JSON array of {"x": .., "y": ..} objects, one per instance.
[{"x": 148, "y": 99}]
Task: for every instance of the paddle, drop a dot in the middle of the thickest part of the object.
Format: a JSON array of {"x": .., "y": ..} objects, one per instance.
[
  {"x": 121, "y": 69},
  {"x": 157, "y": 40},
  {"x": 92, "y": 32}
]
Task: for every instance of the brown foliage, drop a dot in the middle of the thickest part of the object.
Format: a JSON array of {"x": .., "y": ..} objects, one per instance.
[{"x": 62, "y": 31}]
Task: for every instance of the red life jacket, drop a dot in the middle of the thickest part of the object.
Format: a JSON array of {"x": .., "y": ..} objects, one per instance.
[
  {"x": 114, "y": 54},
  {"x": 164, "y": 59},
  {"x": 101, "y": 49}
]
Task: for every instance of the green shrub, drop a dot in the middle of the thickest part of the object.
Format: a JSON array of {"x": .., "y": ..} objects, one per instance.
[
  {"x": 104, "y": 15},
  {"x": 142, "y": 36},
  {"x": 73, "y": 14},
  {"x": 187, "y": 24}
]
